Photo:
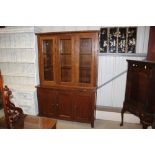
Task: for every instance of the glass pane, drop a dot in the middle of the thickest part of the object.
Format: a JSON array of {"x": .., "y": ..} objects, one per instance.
[
  {"x": 85, "y": 60},
  {"x": 48, "y": 59},
  {"x": 113, "y": 40},
  {"x": 85, "y": 46},
  {"x": 122, "y": 40},
  {"x": 132, "y": 33},
  {"x": 65, "y": 57}
]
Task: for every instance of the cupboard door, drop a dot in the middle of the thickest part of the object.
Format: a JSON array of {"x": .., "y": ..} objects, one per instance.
[
  {"x": 65, "y": 57},
  {"x": 85, "y": 60},
  {"x": 82, "y": 107},
  {"x": 65, "y": 105},
  {"x": 139, "y": 89},
  {"x": 86, "y": 47},
  {"x": 47, "y": 60},
  {"x": 47, "y": 103}
]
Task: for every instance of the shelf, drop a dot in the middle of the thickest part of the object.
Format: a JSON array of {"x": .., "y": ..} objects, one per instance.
[
  {"x": 29, "y": 88},
  {"x": 46, "y": 53},
  {"x": 85, "y": 67},
  {"x": 23, "y": 62},
  {"x": 65, "y": 53},
  {"x": 85, "y": 53},
  {"x": 124, "y": 54},
  {"x": 21, "y": 75},
  {"x": 16, "y": 48},
  {"x": 66, "y": 67}
]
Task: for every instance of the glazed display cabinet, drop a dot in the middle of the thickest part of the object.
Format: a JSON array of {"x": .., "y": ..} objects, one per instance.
[{"x": 68, "y": 72}]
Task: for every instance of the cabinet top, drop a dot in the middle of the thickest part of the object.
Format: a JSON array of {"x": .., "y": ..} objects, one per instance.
[
  {"x": 68, "y": 32},
  {"x": 141, "y": 61}
]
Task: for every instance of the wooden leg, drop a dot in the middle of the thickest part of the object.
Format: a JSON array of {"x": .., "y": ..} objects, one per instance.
[
  {"x": 92, "y": 124},
  {"x": 145, "y": 126},
  {"x": 122, "y": 117}
]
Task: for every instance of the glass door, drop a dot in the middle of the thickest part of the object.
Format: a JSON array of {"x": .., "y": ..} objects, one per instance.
[
  {"x": 65, "y": 58},
  {"x": 86, "y": 53},
  {"x": 85, "y": 60},
  {"x": 47, "y": 60}
]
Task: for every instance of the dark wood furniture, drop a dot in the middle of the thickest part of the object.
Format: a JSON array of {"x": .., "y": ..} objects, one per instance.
[
  {"x": 68, "y": 69},
  {"x": 151, "y": 45},
  {"x": 16, "y": 119},
  {"x": 140, "y": 94}
]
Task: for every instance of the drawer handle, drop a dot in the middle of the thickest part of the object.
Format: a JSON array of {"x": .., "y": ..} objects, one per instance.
[{"x": 145, "y": 66}]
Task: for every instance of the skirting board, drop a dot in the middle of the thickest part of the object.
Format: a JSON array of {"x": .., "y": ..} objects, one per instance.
[{"x": 115, "y": 116}]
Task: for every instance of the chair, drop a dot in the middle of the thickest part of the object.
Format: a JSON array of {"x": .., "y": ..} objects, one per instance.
[{"x": 16, "y": 119}]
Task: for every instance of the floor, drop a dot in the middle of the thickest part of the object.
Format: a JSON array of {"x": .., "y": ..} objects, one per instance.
[{"x": 99, "y": 124}]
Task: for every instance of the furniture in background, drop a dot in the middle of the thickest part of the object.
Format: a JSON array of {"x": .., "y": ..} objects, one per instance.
[
  {"x": 140, "y": 97},
  {"x": 16, "y": 119},
  {"x": 151, "y": 45},
  {"x": 68, "y": 72}
]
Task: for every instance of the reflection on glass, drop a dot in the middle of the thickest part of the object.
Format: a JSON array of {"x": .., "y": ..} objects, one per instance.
[
  {"x": 48, "y": 59},
  {"x": 85, "y": 60},
  {"x": 65, "y": 55}
]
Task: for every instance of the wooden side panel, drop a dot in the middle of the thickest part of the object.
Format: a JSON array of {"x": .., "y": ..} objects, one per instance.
[{"x": 151, "y": 46}]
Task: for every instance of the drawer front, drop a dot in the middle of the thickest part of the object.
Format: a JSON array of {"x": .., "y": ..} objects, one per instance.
[{"x": 83, "y": 106}]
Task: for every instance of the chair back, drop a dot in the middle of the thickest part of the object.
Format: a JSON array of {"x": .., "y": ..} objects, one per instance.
[{"x": 14, "y": 116}]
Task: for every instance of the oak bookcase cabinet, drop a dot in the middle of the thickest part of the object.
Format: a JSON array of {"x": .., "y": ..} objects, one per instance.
[
  {"x": 68, "y": 72},
  {"x": 140, "y": 97}
]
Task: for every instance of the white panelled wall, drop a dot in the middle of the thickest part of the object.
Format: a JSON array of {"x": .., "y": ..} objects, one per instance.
[
  {"x": 19, "y": 65},
  {"x": 18, "y": 59}
]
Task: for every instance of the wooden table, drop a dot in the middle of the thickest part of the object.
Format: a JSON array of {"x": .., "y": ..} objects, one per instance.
[{"x": 36, "y": 122}]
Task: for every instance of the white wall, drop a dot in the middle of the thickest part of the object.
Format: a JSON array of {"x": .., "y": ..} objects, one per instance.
[{"x": 18, "y": 60}]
